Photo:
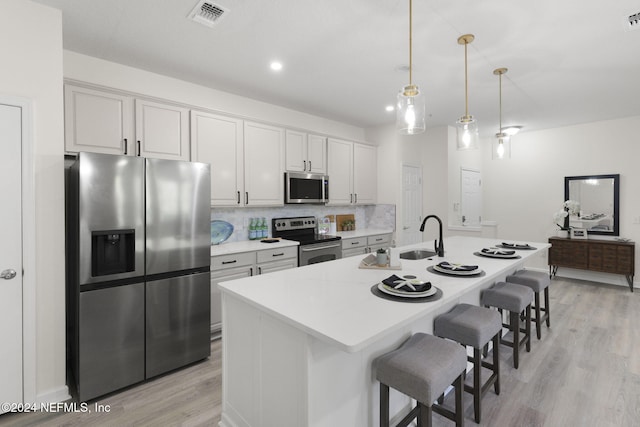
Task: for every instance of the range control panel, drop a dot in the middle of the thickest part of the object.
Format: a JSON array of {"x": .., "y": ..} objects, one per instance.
[{"x": 296, "y": 223}]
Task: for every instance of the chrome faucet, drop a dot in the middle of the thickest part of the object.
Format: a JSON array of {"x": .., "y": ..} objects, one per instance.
[{"x": 438, "y": 246}]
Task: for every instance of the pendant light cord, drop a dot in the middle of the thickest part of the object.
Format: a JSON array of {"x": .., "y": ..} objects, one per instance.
[
  {"x": 500, "y": 91},
  {"x": 410, "y": 41},
  {"x": 466, "y": 90}
]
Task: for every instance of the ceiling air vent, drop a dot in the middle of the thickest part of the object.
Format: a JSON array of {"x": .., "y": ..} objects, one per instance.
[
  {"x": 632, "y": 22},
  {"x": 207, "y": 13}
]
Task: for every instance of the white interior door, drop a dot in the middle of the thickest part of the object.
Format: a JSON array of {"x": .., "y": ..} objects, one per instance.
[
  {"x": 411, "y": 204},
  {"x": 11, "y": 255},
  {"x": 471, "y": 203}
]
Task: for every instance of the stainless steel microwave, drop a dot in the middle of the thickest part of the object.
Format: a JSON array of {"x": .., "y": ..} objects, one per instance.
[{"x": 306, "y": 187}]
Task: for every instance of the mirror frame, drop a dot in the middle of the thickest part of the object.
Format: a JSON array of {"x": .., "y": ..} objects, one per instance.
[{"x": 616, "y": 199}]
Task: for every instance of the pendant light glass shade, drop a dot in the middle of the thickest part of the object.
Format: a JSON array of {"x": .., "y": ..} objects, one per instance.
[
  {"x": 466, "y": 126},
  {"x": 501, "y": 147},
  {"x": 410, "y": 109}
]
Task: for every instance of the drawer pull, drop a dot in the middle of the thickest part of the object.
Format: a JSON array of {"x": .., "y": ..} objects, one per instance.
[
  {"x": 229, "y": 262},
  {"x": 377, "y": 240},
  {"x": 280, "y": 254},
  {"x": 355, "y": 243}
]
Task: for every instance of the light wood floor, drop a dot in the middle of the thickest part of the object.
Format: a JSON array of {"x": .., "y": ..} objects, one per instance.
[{"x": 585, "y": 371}]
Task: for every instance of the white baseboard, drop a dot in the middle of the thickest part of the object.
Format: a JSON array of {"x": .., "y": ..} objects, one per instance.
[{"x": 53, "y": 396}]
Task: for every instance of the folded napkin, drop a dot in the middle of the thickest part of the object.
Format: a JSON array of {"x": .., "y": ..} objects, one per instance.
[
  {"x": 448, "y": 266},
  {"x": 497, "y": 251},
  {"x": 406, "y": 285},
  {"x": 515, "y": 245}
]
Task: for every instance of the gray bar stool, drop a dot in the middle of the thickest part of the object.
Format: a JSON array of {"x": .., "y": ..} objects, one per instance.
[
  {"x": 422, "y": 368},
  {"x": 515, "y": 299},
  {"x": 474, "y": 326},
  {"x": 538, "y": 282}
]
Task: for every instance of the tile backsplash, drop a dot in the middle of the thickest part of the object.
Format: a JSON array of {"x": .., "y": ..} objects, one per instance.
[{"x": 367, "y": 216}]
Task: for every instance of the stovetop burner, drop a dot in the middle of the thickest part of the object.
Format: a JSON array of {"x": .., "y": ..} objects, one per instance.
[{"x": 300, "y": 229}]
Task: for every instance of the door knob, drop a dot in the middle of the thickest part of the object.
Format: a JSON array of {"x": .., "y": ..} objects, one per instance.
[{"x": 8, "y": 274}]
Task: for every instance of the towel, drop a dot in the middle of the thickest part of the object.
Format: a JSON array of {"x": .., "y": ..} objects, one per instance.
[
  {"x": 406, "y": 285},
  {"x": 448, "y": 266}
]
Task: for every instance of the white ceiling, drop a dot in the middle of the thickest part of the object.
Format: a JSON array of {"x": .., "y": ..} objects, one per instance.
[{"x": 569, "y": 61}]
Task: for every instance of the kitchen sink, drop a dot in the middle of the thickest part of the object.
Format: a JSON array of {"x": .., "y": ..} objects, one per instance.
[{"x": 417, "y": 254}]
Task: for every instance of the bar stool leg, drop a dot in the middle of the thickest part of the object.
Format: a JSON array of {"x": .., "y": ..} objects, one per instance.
[
  {"x": 537, "y": 303},
  {"x": 384, "y": 405},
  {"x": 528, "y": 327},
  {"x": 546, "y": 306},
  {"x": 459, "y": 390},
  {"x": 477, "y": 383},
  {"x": 496, "y": 362},
  {"x": 425, "y": 416},
  {"x": 514, "y": 323}
]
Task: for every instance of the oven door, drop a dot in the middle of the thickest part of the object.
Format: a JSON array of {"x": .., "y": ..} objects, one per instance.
[{"x": 319, "y": 252}]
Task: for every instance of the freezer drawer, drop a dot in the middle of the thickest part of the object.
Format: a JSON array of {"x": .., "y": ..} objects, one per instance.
[
  {"x": 178, "y": 319},
  {"x": 111, "y": 340}
]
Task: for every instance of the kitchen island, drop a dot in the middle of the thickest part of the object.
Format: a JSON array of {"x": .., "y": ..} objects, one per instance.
[{"x": 298, "y": 345}]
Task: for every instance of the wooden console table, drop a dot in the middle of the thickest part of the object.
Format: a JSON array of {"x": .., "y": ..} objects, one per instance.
[{"x": 607, "y": 256}]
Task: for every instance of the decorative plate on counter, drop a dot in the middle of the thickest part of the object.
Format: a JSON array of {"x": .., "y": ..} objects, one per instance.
[
  {"x": 405, "y": 294},
  {"x": 497, "y": 253},
  {"x": 455, "y": 269},
  {"x": 220, "y": 231},
  {"x": 509, "y": 245}
]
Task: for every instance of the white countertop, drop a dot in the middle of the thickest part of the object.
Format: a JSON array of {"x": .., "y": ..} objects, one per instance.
[
  {"x": 333, "y": 302},
  {"x": 365, "y": 232},
  {"x": 228, "y": 248}
]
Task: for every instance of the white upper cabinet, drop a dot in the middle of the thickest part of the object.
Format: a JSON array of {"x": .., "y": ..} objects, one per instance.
[
  {"x": 352, "y": 173},
  {"x": 264, "y": 159},
  {"x": 340, "y": 171},
  {"x": 218, "y": 140},
  {"x": 97, "y": 121},
  {"x": 162, "y": 130},
  {"x": 365, "y": 186},
  {"x": 305, "y": 153},
  {"x": 317, "y": 154},
  {"x": 101, "y": 121}
]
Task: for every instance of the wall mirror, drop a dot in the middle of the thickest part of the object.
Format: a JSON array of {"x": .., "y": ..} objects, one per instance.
[{"x": 599, "y": 197}]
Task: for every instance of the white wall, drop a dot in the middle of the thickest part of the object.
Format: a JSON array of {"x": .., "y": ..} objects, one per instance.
[
  {"x": 522, "y": 193},
  {"x": 31, "y": 52},
  {"x": 110, "y": 74},
  {"x": 428, "y": 150}
]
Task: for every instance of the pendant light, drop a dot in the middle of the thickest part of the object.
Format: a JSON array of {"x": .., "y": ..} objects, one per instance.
[
  {"x": 502, "y": 142},
  {"x": 411, "y": 105},
  {"x": 466, "y": 126}
]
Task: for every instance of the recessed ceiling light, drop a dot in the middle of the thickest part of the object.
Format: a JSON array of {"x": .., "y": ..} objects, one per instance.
[
  {"x": 276, "y": 65},
  {"x": 389, "y": 108},
  {"x": 511, "y": 130}
]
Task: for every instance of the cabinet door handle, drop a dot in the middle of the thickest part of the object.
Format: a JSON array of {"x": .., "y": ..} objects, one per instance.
[
  {"x": 259, "y": 270},
  {"x": 280, "y": 254},
  {"x": 351, "y": 198},
  {"x": 139, "y": 148},
  {"x": 356, "y": 198},
  {"x": 229, "y": 262},
  {"x": 246, "y": 197},
  {"x": 304, "y": 165},
  {"x": 238, "y": 197},
  {"x": 309, "y": 165},
  {"x": 125, "y": 146},
  {"x": 251, "y": 271}
]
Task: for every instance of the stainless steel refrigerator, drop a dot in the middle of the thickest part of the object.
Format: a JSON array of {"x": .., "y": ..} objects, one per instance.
[{"x": 138, "y": 280}]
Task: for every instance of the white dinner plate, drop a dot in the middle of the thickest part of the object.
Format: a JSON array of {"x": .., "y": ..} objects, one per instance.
[
  {"x": 456, "y": 272},
  {"x": 398, "y": 293}
]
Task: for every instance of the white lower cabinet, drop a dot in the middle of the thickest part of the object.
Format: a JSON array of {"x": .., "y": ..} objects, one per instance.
[
  {"x": 245, "y": 264},
  {"x": 224, "y": 268},
  {"x": 354, "y": 246},
  {"x": 366, "y": 244},
  {"x": 277, "y": 259}
]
